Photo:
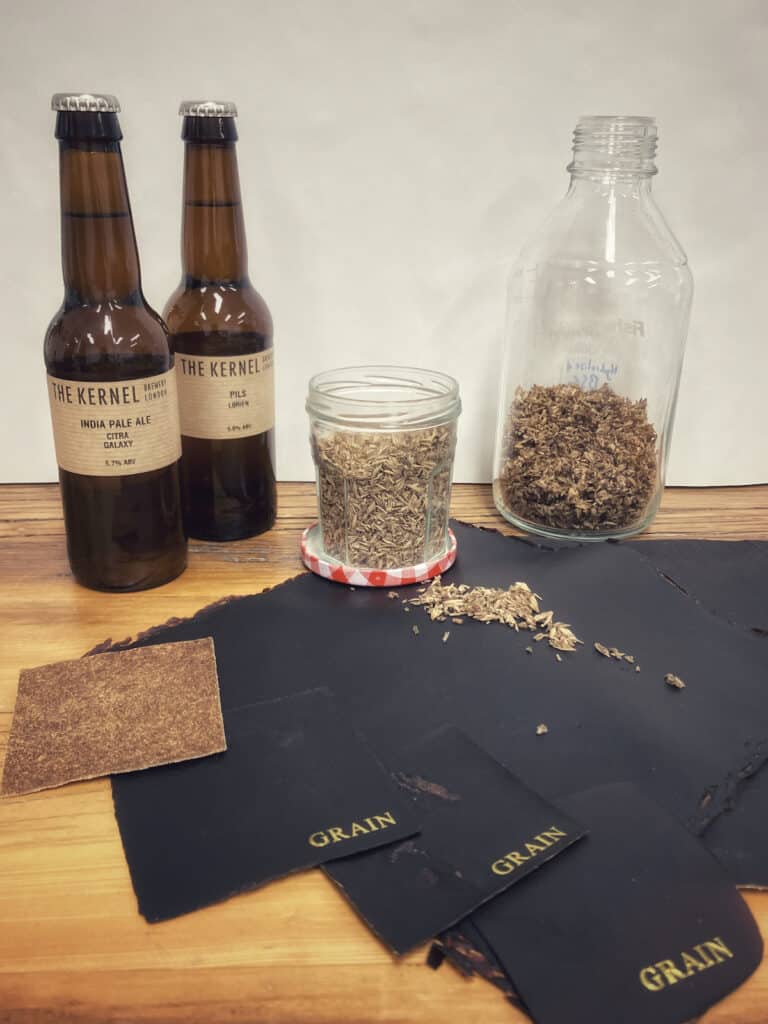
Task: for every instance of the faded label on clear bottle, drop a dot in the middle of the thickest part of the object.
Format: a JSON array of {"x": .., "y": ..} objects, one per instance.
[
  {"x": 599, "y": 351},
  {"x": 222, "y": 397},
  {"x": 115, "y": 428}
]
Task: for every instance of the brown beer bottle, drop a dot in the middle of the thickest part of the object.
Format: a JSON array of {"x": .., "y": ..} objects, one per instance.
[
  {"x": 221, "y": 333},
  {"x": 111, "y": 381}
]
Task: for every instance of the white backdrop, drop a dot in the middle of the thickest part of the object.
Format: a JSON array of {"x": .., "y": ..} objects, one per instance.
[{"x": 394, "y": 157}]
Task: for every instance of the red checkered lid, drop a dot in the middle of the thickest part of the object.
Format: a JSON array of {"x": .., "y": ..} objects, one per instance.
[{"x": 322, "y": 564}]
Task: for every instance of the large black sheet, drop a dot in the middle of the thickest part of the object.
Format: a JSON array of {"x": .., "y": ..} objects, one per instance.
[{"x": 689, "y": 750}]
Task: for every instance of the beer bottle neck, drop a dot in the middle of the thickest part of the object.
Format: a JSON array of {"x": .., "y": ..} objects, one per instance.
[
  {"x": 213, "y": 247},
  {"x": 98, "y": 245}
]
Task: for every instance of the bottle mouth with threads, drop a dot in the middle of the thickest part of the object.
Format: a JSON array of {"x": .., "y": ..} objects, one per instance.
[
  {"x": 383, "y": 398},
  {"x": 615, "y": 144}
]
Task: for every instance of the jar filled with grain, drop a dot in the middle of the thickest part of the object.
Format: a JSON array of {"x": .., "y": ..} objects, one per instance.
[
  {"x": 383, "y": 440},
  {"x": 598, "y": 314}
]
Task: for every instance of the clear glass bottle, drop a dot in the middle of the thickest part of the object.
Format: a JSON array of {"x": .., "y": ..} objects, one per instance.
[{"x": 598, "y": 314}]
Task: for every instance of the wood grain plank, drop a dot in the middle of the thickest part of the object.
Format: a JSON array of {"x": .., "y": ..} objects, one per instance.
[{"x": 72, "y": 946}]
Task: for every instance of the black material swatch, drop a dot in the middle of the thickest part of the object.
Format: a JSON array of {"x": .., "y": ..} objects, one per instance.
[
  {"x": 688, "y": 749},
  {"x": 637, "y": 923},
  {"x": 481, "y": 831},
  {"x": 729, "y": 578},
  {"x": 295, "y": 787}
]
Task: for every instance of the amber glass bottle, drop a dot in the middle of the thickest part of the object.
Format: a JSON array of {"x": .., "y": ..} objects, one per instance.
[
  {"x": 221, "y": 332},
  {"x": 111, "y": 383}
]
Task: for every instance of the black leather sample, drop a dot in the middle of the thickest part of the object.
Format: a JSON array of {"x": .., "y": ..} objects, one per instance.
[
  {"x": 295, "y": 787},
  {"x": 481, "y": 831},
  {"x": 636, "y": 923}
]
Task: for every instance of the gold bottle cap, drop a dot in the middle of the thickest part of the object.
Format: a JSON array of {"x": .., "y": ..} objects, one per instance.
[
  {"x": 207, "y": 108},
  {"x": 99, "y": 103}
]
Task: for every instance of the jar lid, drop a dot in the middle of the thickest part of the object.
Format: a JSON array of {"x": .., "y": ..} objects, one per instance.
[
  {"x": 383, "y": 398},
  {"x": 318, "y": 562}
]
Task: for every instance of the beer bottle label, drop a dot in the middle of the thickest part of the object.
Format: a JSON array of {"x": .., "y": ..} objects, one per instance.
[
  {"x": 225, "y": 396},
  {"x": 115, "y": 428}
]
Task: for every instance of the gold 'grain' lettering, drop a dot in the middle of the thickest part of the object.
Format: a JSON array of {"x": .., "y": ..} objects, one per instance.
[
  {"x": 666, "y": 972},
  {"x": 337, "y": 833}
]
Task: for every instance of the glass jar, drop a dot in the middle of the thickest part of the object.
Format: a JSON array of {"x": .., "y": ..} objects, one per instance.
[
  {"x": 383, "y": 440},
  {"x": 598, "y": 313}
]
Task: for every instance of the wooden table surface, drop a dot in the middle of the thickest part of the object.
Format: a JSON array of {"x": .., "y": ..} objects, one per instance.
[{"x": 73, "y": 947}]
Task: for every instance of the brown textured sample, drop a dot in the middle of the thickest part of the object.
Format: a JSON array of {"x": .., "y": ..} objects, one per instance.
[
  {"x": 578, "y": 460},
  {"x": 113, "y": 713}
]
